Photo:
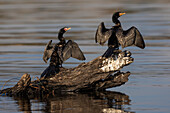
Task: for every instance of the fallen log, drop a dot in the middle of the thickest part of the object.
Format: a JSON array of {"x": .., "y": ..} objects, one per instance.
[{"x": 95, "y": 75}]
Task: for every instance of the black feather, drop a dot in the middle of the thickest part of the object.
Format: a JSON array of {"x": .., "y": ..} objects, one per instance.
[
  {"x": 130, "y": 37},
  {"x": 72, "y": 49},
  {"x": 48, "y": 51},
  {"x": 102, "y": 34}
]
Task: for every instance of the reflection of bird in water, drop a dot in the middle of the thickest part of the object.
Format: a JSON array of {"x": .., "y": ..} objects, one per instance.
[
  {"x": 59, "y": 53},
  {"x": 116, "y": 36}
]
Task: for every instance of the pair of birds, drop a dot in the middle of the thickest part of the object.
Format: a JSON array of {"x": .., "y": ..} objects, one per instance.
[{"x": 116, "y": 36}]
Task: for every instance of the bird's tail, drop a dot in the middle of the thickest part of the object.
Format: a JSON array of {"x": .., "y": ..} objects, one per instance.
[
  {"x": 111, "y": 52},
  {"x": 49, "y": 71}
]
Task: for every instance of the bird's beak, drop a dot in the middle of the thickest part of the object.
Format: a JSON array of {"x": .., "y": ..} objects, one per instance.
[
  {"x": 120, "y": 14},
  {"x": 66, "y": 29}
]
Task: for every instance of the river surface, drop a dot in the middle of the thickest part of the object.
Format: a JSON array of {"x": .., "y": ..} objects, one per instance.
[{"x": 27, "y": 25}]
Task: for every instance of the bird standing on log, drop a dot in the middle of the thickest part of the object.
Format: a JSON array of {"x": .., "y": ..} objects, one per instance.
[
  {"x": 59, "y": 53},
  {"x": 116, "y": 36}
]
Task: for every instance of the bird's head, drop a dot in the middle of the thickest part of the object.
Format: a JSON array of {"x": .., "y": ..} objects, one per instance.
[
  {"x": 61, "y": 32},
  {"x": 64, "y": 29},
  {"x": 116, "y": 15}
]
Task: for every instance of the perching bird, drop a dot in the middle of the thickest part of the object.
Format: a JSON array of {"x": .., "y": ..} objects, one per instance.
[
  {"x": 116, "y": 36},
  {"x": 59, "y": 53}
]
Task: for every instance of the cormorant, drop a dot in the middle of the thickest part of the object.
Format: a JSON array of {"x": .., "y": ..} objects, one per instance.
[
  {"x": 59, "y": 53},
  {"x": 116, "y": 36}
]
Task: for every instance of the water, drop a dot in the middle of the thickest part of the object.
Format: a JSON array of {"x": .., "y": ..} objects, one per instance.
[{"x": 26, "y": 27}]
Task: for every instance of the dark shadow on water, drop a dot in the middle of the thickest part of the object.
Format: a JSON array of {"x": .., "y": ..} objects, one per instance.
[{"x": 98, "y": 102}]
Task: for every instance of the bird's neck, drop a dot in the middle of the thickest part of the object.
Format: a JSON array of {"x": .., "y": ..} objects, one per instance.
[
  {"x": 61, "y": 38},
  {"x": 116, "y": 21}
]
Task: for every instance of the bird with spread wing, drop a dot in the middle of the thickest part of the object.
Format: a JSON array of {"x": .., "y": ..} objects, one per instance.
[
  {"x": 59, "y": 53},
  {"x": 116, "y": 36}
]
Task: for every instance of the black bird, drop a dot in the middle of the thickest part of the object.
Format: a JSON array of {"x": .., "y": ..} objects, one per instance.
[
  {"x": 59, "y": 53},
  {"x": 116, "y": 36}
]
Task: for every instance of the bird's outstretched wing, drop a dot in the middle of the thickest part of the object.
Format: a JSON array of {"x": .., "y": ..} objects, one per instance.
[
  {"x": 72, "y": 50},
  {"x": 48, "y": 51},
  {"x": 102, "y": 34},
  {"x": 130, "y": 37}
]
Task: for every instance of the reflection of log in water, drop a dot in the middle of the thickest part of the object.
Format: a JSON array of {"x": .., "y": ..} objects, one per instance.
[
  {"x": 24, "y": 104},
  {"x": 97, "y": 102}
]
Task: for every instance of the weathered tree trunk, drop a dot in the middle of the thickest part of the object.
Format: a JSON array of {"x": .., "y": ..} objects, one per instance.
[{"x": 92, "y": 76}]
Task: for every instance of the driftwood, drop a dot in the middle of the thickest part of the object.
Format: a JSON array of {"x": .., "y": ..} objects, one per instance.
[{"x": 95, "y": 75}]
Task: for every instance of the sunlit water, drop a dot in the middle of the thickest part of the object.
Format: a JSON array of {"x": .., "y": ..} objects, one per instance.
[{"x": 26, "y": 27}]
